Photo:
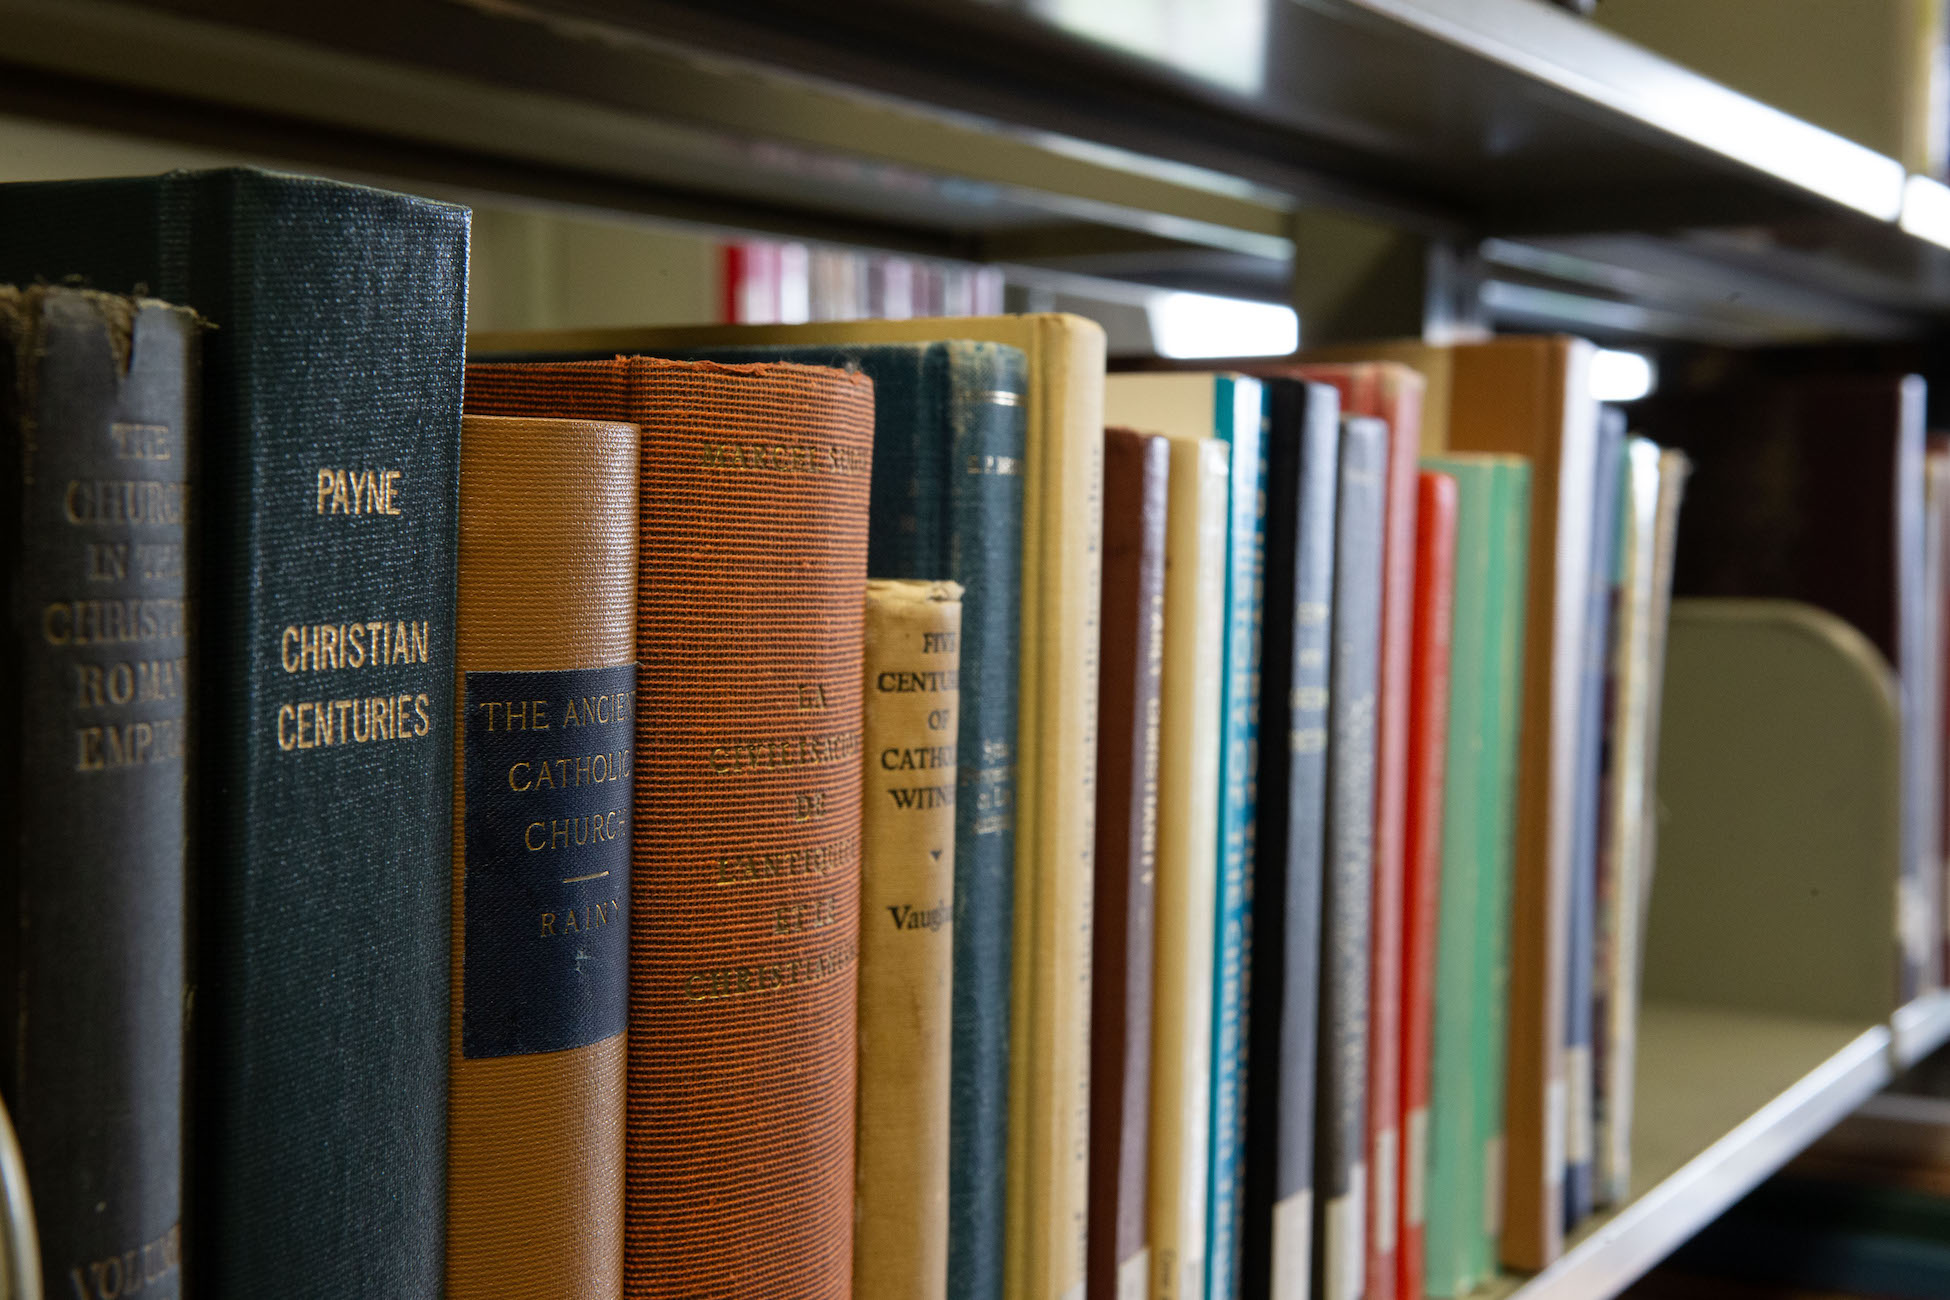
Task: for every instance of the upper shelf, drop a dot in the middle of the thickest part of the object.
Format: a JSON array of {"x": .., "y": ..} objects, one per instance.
[
  {"x": 1498, "y": 113},
  {"x": 1174, "y": 141}
]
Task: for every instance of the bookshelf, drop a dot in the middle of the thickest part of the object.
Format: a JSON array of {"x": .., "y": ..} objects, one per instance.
[
  {"x": 1724, "y": 1099},
  {"x": 1502, "y": 163},
  {"x": 1539, "y": 170}
]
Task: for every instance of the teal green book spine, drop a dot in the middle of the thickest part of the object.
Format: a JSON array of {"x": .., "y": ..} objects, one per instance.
[
  {"x": 1503, "y": 725},
  {"x": 950, "y": 424},
  {"x": 321, "y": 780},
  {"x": 1239, "y": 418},
  {"x": 1456, "y": 1185}
]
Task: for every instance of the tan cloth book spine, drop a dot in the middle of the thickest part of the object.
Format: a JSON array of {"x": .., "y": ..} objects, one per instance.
[
  {"x": 1187, "y": 864},
  {"x": 1049, "y": 1034},
  {"x": 1532, "y": 397},
  {"x": 907, "y": 889},
  {"x": 546, "y": 592}
]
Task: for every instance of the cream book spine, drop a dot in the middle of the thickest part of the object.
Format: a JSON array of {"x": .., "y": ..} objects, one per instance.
[
  {"x": 907, "y": 887},
  {"x": 1187, "y": 864}
]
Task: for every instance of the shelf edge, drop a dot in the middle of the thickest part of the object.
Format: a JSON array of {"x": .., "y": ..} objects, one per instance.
[{"x": 1650, "y": 1227}]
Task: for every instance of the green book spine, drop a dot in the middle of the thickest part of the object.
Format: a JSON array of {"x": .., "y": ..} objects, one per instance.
[
  {"x": 321, "y": 778},
  {"x": 1503, "y": 726},
  {"x": 1455, "y": 1214}
]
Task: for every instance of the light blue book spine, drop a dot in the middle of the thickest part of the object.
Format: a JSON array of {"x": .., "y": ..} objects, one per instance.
[{"x": 1239, "y": 416}]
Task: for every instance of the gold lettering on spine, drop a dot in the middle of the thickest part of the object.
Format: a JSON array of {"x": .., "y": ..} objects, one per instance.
[{"x": 358, "y": 491}]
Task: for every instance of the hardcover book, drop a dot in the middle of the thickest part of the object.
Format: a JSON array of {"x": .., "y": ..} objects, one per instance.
[
  {"x": 1230, "y": 408},
  {"x": 1392, "y": 392},
  {"x": 1531, "y": 397},
  {"x": 1581, "y": 972},
  {"x": 1507, "y": 718},
  {"x": 1302, "y": 480},
  {"x": 1652, "y": 485},
  {"x": 1137, "y": 470},
  {"x": 946, "y": 503},
  {"x": 545, "y": 760},
  {"x": 330, "y": 420},
  {"x": 1025, "y": 1231},
  {"x": 1473, "y": 892},
  {"x": 744, "y": 898},
  {"x": 1340, "y": 1164},
  {"x": 1188, "y": 773},
  {"x": 1428, "y": 720},
  {"x": 907, "y": 878},
  {"x": 98, "y": 433}
]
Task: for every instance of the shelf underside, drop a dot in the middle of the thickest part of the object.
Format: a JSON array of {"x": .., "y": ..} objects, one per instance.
[
  {"x": 1723, "y": 1099},
  {"x": 1014, "y": 133}
]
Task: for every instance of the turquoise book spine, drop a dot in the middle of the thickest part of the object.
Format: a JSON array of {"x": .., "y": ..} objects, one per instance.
[{"x": 1239, "y": 418}]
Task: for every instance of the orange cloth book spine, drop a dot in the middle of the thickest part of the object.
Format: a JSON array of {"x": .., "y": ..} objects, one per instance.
[
  {"x": 546, "y": 615},
  {"x": 745, "y": 885}
]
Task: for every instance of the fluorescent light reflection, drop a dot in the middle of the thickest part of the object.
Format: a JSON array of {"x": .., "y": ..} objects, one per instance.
[
  {"x": 1926, "y": 210},
  {"x": 1200, "y": 325},
  {"x": 1621, "y": 376}
]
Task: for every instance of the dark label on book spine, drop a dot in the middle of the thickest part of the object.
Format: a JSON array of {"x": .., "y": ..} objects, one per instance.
[{"x": 548, "y": 771}]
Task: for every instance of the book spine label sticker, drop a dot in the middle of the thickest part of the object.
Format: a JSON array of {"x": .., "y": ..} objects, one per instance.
[
  {"x": 1387, "y": 1156},
  {"x": 549, "y": 767},
  {"x": 1293, "y": 1246}
]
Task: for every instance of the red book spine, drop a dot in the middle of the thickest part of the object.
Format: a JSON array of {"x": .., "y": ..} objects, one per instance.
[
  {"x": 1428, "y": 728},
  {"x": 1394, "y": 394},
  {"x": 733, "y": 269}
]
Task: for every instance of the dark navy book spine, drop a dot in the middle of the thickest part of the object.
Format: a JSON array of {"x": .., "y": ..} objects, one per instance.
[
  {"x": 1302, "y": 472},
  {"x": 322, "y": 782}
]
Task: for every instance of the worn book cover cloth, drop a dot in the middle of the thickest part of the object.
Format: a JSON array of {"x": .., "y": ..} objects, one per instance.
[
  {"x": 321, "y": 781},
  {"x": 907, "y": 885},
  {"x": 98, "y": 433},
  {"x": 951, "y": 419},
  {"x": 1020, "y": 1235},
  {"x": 745, "y": 901},
  {"x": 545, "y": 762}
]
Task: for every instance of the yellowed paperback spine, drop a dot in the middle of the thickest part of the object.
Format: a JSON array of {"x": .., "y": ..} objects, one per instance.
[
  {"x": 907, "y": 888},
  {"x": 1187, "y": 864}
]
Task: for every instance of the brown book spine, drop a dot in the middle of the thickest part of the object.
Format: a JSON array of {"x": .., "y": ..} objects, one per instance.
[
  {"x": 543, "y": 747},
  {"x": 907, "y": 888},
  {"x": 1137, "y": 468},
  {"x": 745, "y": 869}
]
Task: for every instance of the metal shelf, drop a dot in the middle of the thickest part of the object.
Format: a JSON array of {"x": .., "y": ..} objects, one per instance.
[
  {"x": 1724, "y": 1098},
  {"x": 1920, "y": 1028},
  {"x": 1185, "y": 152}
]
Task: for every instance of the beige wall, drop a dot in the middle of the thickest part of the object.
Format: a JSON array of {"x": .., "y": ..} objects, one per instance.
[{"x": 529, "y": 268}]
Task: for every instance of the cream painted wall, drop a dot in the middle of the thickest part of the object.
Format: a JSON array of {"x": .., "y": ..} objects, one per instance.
[{"x": 529, "y": 268}]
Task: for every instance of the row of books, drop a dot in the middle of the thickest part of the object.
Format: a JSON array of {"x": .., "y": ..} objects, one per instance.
[
  {"x": 767, "y": 282},
  {"x": 1208, "y": 856}
]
